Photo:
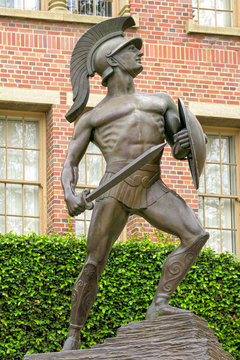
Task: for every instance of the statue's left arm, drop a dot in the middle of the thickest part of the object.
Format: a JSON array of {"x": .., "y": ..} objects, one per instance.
[{"x": 175, "y": 135}]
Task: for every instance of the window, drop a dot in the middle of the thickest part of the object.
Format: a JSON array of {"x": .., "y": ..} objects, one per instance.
[
  {"x": 91, "y": 170},
  {"x": 21, "y": 174},
  {"x": 218, "y": 193},
  {"x": 215, "y": 12},
  {"x": 21, "y": 4},
  {"x": 91, "y": 7}
]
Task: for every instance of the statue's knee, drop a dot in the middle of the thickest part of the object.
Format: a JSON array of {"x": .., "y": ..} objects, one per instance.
[{"x": 200, "y": 239}]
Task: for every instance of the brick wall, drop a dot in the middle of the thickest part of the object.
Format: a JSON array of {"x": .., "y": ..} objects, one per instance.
[{"x": 199, "y": 68}]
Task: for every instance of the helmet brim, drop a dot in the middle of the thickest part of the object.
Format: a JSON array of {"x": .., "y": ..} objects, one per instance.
[{"x": 135, "y": 41}]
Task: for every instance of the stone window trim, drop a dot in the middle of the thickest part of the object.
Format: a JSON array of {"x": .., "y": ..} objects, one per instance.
[
  {"x": 193, "y": 28},
  {"x": 59, "y": 13}
]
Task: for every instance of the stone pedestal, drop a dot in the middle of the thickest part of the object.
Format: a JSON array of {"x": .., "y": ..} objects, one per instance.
[{"x": 175, "y": 337}]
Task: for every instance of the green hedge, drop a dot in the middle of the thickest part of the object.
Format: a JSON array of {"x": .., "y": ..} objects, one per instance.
[{"x": 37, "y": 275}]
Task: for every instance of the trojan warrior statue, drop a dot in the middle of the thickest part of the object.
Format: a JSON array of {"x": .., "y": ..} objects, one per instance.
[{"x": 124, "y": 125}]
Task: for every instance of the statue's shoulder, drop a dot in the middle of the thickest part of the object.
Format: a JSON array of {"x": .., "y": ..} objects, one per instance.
[
  {"x": 162, "y": 95},
  {"x": 166, "y": 100}
]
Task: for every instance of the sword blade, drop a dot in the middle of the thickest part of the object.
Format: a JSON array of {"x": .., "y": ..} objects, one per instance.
[{"x": 129, "y": 169}]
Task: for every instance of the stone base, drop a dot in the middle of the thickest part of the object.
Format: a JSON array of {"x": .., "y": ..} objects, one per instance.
[{"x": 172, "y": 337}]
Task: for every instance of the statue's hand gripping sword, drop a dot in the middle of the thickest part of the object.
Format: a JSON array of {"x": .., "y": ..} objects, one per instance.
[{"x": 129, "y": 169}]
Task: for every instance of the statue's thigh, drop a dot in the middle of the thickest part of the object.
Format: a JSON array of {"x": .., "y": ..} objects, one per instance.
[
  {"x": 172, "y": 214},
  {"x": 108, "y": 220}
]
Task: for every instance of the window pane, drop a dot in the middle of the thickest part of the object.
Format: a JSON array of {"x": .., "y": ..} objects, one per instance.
[
  {"x": 87, "y": 226},
  {"x": 71, "y": 5},
  {"x": 2, "y": 224},
  {"x": 15, "y": 164},
  {"x": 32, "y": 4},
  {"x": 92, "y": 148},
  {"x": 14, "y": 224},
  {"x": 214, "y": 240},
  {"x": 79, "y": 228},
  {"x": 228, "y": 213},
  {"x": 213, "y": 151},
  {"x": 2, "y": 164},
  {"x": 213, "y": 185},
  {"x": 2, "y": 198},
  {"x": 103, "y": 8},
  {"x": 31, "y": 224},
  {"x": 194, "y": 3},
  {"x": 229, "y": 179},
  {"x": 207, "y": 17},
  {"x": 85, "y": 7},
  {"x": 32, "y": 165},
  {"x": 212, "y": 212},
  {"x": 200, "y": 209},
  {"x": 2, "y": 131},
  {"x": 14, "y": 132},
  {"x": 81, "y": 172},
  {"x": 201, "y": 188},
  {"x": 228, "y": 149},
  {"x": 228, "y": 240},
  {"x": 195, "y": 14},
  {"x": 206, "y": 4},
  {"x": 14, "y": 199},
  {"x": 88, "y": 214},
  {"x": 224, "y": 4},
  {"x": 30, "y": 198},
  {"x": 31, "y": 134},
  {"x": 17, "y": 4},
  {"x": 94, "y": 169},
  {"x": 224, "y": 19}
]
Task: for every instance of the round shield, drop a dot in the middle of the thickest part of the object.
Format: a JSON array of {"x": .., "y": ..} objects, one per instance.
[{"x": 197, "y": 140}]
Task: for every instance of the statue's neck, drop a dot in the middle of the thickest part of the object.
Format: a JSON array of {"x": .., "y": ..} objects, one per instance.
[{"x": 120, "y": 83}]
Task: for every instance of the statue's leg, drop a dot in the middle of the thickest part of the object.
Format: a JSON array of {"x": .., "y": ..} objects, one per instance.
[
  {"x": 108, "y": 220},
  {"x": 173, "y": 215}
]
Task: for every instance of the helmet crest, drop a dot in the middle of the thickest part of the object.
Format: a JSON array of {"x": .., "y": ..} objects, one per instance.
[{"x": 82, "y": 60}]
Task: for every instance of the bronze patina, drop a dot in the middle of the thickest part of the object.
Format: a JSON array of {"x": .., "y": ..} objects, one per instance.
[{"x": 124, "y": 125}]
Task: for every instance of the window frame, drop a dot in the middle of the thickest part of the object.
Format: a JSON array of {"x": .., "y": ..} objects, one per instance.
[
  {"x": 43, "y": 171},
  {"x": 236, "y": 133},
  {"x": 234, "y": 12},
  {"x": 44, "y": 6},
  {"x": 94, "y": 9}
]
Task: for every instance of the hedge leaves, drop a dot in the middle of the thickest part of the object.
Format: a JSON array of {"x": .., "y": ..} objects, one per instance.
[{"x": 37, "y": 275}]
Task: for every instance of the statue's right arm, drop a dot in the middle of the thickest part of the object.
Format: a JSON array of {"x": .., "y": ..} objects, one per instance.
[{"x": 77, "y": 147}]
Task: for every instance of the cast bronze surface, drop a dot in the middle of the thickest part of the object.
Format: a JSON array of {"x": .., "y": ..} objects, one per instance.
[
  {"x": 185, "y": 337},
  {"x": 124, "y": 125},
  {"x": 82, "y": 60},
  {"x": 197, "y": 140},
  {"x": 126, "y": 171}
]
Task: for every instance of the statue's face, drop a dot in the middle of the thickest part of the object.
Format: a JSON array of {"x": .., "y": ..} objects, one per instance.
[{"x": 129, "y": 59}]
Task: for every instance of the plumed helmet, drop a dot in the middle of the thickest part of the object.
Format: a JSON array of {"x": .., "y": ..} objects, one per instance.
[
  {"x": 89, "y": 56},
  {"x": 109, "y": 48}
]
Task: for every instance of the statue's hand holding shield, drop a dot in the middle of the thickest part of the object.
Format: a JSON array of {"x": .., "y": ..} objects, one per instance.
[{"x": 182, "y": 144}]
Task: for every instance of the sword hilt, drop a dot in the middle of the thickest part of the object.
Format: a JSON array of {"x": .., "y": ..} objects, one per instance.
[{"x": 87, "y": 204}]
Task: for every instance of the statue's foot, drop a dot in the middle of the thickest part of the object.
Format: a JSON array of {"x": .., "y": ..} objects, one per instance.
[
  {"x": 72, "y": 343},
  {"x": 161, "y": 309}
]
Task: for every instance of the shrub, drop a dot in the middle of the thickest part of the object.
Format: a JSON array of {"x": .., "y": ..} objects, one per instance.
[{"x": 38, "y": 272}]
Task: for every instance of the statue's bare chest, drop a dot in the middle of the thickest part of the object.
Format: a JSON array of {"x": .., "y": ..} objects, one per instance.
[{"x": 130, "y": 112}]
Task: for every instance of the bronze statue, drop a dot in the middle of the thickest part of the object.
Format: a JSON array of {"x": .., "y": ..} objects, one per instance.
[{"x": 124, "y": 125}]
